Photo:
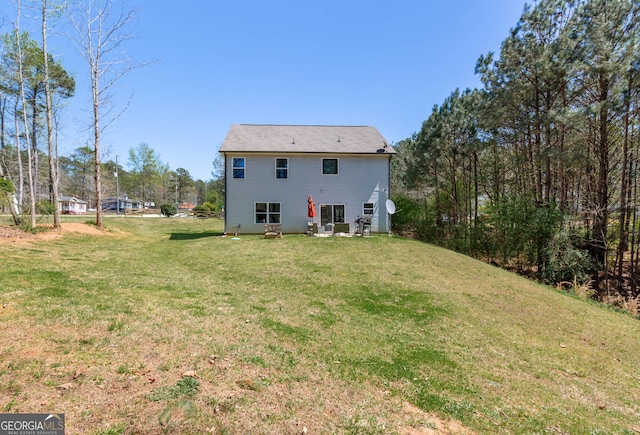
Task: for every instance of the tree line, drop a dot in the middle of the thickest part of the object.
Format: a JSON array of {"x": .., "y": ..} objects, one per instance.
[
  {"x": 33, "y": 89},
  {"x": 143, "y": 177},
  {"x": 538, "y": 169}
]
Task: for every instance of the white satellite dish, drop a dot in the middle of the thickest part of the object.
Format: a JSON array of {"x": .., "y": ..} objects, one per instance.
[{"x": 391, "y": 207}]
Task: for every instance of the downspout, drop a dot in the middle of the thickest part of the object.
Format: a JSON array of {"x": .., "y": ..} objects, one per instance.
[
  {"x": 389, "y": 178},
  {"x": 226, "y": 204}
]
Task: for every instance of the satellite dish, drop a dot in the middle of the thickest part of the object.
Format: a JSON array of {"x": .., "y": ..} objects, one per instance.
[{"x": 391, "y": 207}]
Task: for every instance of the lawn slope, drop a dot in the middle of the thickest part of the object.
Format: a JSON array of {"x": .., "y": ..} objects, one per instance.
[{"x": 162, "y": 325}]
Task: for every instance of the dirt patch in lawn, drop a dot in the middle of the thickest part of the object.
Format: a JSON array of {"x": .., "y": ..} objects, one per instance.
[
  {"x": 11, "y": 234},
  {"x": 422, "y": 423}
]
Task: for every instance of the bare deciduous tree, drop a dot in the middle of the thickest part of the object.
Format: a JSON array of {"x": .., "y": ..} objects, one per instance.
[
  {"x": 32, "y": 193},
  {"x": 53, "y": 167},
  {"x": 100, "y": 31}
]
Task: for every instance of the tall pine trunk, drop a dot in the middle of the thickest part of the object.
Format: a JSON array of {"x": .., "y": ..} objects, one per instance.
[
  {"x": 624, "y": 228},
  {"x": 601, "y": 212}
]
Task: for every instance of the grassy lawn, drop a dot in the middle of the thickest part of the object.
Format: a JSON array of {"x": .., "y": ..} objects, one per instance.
[{"x": 164, "y": 326}]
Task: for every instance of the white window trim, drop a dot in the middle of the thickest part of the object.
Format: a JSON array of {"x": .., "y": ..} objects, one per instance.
[
  {"x": 244, "y": 168},
  {"x": 275, "y": 162},
  {"x": 255, "y": 220},
  {"x": 322, "y": 166},
  {"x": 333, "y": 205},
  {"x": 373, "y": 209}
]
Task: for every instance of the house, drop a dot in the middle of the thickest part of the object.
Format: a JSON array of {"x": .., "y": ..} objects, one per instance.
[
  {"x": 71, "y": 205},
  {"x": 271, "y": 170},
  {"x": 121, "y": 204}
]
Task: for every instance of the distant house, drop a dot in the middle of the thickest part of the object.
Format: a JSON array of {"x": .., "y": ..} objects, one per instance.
[
  {"x": 186, "y": 205},
  {"x": 122, "y": 204},
  {"x": 71, "y": 205},
  {"x": 271, "y": 170}
]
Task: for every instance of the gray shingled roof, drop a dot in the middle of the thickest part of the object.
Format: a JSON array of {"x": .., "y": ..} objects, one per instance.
[
  {"x": 305, "y": 138},
  {"x": 69, "y": 198}
]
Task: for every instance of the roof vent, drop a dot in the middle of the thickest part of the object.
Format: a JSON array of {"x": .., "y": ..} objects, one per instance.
[
  {"x": 293, "y": 140},
  {"x": 339, "y": 139}
]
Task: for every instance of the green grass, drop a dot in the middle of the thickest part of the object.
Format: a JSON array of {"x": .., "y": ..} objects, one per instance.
[
  {"x": 344, "y": 335},
  {"x": 184, "y": 387}
]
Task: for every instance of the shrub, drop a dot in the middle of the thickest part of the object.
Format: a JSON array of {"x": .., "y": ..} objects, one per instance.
[
  {"x": 415, "y": 218},
  {"x": 522, "y": 228},
  {"x": 6, "y": 186},
  {"x": 6, "y": 189},
  {"x": 211, "y": 206},
  {"x": 168, "y": 210},
  {"x": 45, "y": 208},
  {"x": 409, "y": 211},
  {"x": 564, "y": 261}
]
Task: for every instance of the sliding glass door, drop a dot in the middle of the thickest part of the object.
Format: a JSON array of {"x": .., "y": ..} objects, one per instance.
[{"x": 331, "y": 214}]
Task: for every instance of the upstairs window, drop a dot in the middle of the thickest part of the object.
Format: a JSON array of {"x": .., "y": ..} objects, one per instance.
[
  {"x": 282, "y": 169},
  {"x": 329, "y": 166},
  {"x": 238, "y": 167}
]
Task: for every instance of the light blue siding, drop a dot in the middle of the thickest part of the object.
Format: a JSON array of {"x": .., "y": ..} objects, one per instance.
[{"x": 360, "y": 179}]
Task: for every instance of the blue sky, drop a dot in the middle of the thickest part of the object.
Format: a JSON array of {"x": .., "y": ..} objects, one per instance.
[{"x": 375, "y": 62}]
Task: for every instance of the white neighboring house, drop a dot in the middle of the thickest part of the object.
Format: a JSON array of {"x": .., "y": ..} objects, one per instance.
[
  {"x": 270, "y": 171},
  {"x": 72, "y": 205}
]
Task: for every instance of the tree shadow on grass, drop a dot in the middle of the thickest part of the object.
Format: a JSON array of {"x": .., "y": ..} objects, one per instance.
[{"x": 194, "y": 236}]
